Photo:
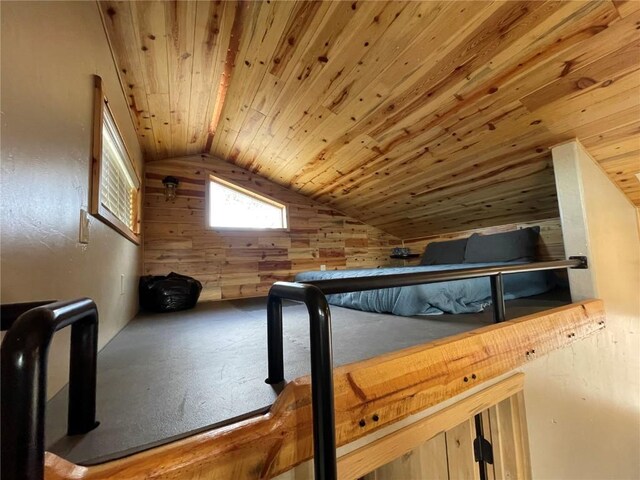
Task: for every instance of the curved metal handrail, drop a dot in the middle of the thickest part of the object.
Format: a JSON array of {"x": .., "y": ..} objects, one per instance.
[
  {"x": 324, "y": 437},
  {"x": 24, "y": 360},
  {"x": 313, "y": 292}
]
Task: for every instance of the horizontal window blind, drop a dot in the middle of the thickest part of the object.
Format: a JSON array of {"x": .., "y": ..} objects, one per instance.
[{"x": 119, "y": 183}]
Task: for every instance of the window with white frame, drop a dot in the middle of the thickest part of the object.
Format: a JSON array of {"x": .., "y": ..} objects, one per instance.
[
  {"x": 115, "y": 183},
  {"x": 231, "y": 206}
]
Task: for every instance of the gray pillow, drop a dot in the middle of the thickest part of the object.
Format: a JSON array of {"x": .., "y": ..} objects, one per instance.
[
  {"x": 444, "y": 253},
  {"x": 503, "y": 247}
]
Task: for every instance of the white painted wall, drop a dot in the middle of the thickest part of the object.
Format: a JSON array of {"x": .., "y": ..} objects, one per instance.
[
  {"x": 583, "y": 402},
  {"x": 49, "y": 52}
]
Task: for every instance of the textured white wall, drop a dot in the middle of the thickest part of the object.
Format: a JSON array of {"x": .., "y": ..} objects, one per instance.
[
  {"x": 49, "y": 52},
  {"x": 583, "y": 402}
]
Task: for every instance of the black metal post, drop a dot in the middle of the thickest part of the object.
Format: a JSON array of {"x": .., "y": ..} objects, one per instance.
[
  {"x": 324, "y": 436},
  {"x": 497, "y": 297},
  {"x": 83, "y": 365},
  {"x": 274, "y": 340},
  {"x": 24, "y": 382}
]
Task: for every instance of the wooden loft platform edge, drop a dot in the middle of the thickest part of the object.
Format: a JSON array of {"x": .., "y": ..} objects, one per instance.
[{"x": 389, "y": 387}]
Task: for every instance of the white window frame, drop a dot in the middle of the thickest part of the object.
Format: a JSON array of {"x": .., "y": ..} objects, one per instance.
[
  {"x": 97, "y": 208},
  {"x": 245, "y": 191}
]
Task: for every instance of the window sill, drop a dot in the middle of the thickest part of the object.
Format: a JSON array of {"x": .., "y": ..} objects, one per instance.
[{"x": 108, "y": 218}]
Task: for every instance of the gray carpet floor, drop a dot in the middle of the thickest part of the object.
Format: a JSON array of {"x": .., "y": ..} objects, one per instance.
[{"x": 166, "y": 376}]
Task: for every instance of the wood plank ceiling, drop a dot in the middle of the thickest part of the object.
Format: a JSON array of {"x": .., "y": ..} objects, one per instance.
[{"x": 415, "y": 117}]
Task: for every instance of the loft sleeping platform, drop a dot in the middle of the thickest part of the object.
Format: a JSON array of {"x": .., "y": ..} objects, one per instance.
[
  {"x": 464, "y": 292},
  {"x": 164, "y": 377},
  {"x": 425, "y": 377}
]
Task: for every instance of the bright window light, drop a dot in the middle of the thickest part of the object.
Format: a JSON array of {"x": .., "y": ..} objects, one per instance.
[{"x": 231, "y": 206}]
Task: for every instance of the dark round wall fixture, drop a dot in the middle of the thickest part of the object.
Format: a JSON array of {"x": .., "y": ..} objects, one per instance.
[{"x": 170, "y": 186}]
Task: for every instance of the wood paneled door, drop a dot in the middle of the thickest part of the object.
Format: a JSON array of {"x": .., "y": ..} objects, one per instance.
[{"x": 450, "y": 455}]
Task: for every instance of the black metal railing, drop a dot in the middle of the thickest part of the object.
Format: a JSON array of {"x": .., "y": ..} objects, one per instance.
[
  {"x": 312, "y": 293},
  {"x": 24, "y": 355},
  {"x": 324, "y": 438}
]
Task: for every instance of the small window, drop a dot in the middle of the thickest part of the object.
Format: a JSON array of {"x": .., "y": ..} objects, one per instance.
[
  {"x": 231, "y": 206},
  {"x": 115, "y": 185}
]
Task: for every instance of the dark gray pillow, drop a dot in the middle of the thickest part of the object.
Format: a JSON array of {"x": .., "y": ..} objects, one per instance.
[
  {"x": 503, "y": 247},
  {"x": 444, "y": 253}
]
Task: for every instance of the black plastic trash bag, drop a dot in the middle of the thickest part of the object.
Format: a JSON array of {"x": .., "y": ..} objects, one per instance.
[{"x": 168, "y": 293}]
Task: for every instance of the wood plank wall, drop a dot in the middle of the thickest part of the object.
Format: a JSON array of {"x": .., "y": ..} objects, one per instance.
[
  {"x": 234, "y": 263},
  {"x": 550, "y": 245}
]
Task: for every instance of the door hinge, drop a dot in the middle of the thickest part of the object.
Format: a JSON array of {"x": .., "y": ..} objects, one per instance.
[{"x": 482, "y": 448}]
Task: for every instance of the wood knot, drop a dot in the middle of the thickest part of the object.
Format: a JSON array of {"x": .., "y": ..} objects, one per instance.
[
  {"x": 567, "y": 68},
  {"x": 585, "y": 82}
]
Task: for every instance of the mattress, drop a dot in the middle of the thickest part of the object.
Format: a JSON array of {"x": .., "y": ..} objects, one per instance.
[{"x": 456, "y": 296}]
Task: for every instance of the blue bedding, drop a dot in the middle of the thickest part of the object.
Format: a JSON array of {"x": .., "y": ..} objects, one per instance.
[{"x": 457, "y": 296}]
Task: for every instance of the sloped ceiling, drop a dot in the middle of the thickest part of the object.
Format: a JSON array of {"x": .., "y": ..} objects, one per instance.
[{"x": 415, "y": 117}]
